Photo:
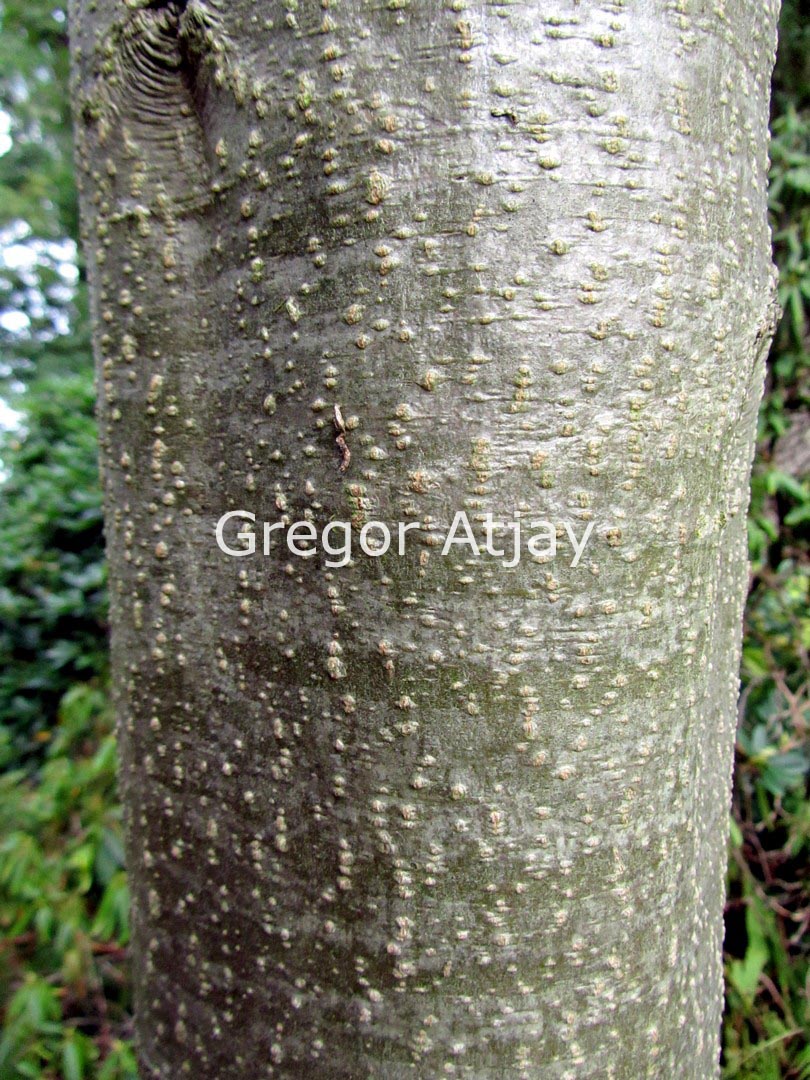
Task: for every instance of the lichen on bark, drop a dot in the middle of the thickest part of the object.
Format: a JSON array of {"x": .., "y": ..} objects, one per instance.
[{"x": 427, "y": 816}]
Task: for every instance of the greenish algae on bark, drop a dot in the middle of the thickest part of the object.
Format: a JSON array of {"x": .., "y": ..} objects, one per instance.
[{"x": 427, "y": 816}]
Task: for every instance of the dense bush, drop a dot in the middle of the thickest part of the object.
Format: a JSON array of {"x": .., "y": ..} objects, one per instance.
[
  {"x": 768, "y": 911},
  {"x": 64, "y": 987},
  {"x": 52, "y": 573},
  {"x": 64, "y": 905}
]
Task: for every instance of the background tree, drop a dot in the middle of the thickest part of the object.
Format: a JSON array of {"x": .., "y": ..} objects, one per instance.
[{"x": 63, "y": 896}]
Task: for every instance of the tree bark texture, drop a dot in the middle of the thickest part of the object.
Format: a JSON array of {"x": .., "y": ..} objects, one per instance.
[{"x": 427, "y": 816}]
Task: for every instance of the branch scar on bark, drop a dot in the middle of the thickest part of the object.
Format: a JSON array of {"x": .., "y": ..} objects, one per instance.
[{"x": 151, "y": 79}]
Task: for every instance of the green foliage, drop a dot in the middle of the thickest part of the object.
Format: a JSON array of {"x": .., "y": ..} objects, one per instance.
[
  {"x": 38, "y": 203},
  {"x": 64, "y": 988},
  {"x": 767, "y": 975},
  {"x": 64, "y": 905},
  {"x": 780, "y": 504},
  {"x": 768, "y": 909},
  {"x": 36, "y": 175},
  {"x": 52, "y": 574}
]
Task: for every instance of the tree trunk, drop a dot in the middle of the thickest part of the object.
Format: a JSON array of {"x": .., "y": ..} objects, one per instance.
[{"x": 427, "y": 815}]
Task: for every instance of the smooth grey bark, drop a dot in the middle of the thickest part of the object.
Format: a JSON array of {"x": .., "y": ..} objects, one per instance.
[{"x": 427, "y": 816}]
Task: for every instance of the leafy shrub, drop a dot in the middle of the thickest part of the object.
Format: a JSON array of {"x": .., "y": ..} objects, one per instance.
[
  {"x": 53, "y": 604},
  {"x": 64, "y": 905},
  {"x": 768, "y": 909}
]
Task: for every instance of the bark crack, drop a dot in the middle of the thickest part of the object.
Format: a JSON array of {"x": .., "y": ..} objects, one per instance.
[{"x": 166, "y": 5}]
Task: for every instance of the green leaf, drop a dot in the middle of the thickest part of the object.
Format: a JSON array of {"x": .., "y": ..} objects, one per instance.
[{"x": 744, "y": 974}]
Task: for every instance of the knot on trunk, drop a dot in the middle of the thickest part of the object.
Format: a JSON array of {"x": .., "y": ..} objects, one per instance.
[{"x": 157, "y": 89}]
